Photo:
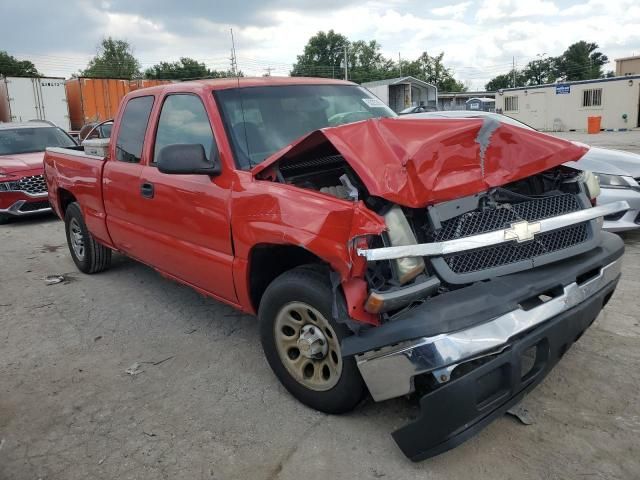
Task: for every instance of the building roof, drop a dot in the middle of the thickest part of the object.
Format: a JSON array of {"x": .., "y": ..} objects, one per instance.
[
  {"x": 397, "y": 81},
  {"x": 632, "y": 57},
  {"x": 482, "y": 99},
  {"x": 624, "y": 78},
  {"x": 474, "y": 94}
]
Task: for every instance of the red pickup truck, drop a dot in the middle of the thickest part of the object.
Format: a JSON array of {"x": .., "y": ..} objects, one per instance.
[{"x": 454, "y": 258}]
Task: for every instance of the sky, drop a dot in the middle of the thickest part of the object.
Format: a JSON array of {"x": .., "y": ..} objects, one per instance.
[{"x": 479, "y": 38}]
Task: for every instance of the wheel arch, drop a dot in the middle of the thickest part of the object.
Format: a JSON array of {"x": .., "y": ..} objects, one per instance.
[
  {"x": 267, "y": 261},
  {"x": 65, "y": 198}
]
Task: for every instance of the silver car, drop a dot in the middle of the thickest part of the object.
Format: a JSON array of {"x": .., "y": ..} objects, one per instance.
[{"x": 617, "y": 171}]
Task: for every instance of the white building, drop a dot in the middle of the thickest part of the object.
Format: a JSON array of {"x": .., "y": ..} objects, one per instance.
[
  {"x": 403, "y": 92},
  {"x": 566, "y": 106}
]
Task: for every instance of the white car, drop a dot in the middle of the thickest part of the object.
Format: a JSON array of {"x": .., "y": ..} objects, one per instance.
[{"x": 617, "y": 171}]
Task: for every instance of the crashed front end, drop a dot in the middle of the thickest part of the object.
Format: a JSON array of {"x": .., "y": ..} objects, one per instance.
[{"x": 491, "y": 264}]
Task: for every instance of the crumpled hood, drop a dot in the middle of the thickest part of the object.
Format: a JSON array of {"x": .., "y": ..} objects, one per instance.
[
  {"x": 21, "y": 162},
  {"x": 420, "y": 162}
]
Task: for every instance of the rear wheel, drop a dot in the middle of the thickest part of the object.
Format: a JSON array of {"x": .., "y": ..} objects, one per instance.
[
  {"x": 302, "y": 342},
  {"x": 88, "y": 255},
  {"x": 4, "y": 218}
]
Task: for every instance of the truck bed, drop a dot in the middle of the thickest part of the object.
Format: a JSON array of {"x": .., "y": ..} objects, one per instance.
[{"x": 73, "y": 175}]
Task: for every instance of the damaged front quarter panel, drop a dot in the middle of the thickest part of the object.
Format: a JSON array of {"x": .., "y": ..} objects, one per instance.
[{"x": 269, "y": 213}]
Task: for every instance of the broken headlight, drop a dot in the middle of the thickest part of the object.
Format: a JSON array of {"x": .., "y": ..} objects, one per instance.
[{"x": 400, "y": 234}]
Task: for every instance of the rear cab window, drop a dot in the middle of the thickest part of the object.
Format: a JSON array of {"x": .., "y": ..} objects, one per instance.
[{"x": 133, "y": 127}]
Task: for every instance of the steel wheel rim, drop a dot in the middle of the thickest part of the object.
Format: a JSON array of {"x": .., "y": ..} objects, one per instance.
[
  {"x": 77, "y": 239},
  {"x": 318, "y": 374}
]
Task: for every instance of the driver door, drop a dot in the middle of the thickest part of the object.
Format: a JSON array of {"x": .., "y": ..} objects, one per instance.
[{"x": 187, "y": 220}]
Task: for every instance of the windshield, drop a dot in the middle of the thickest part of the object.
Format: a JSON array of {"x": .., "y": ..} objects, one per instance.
[
  {"x": 262, "y": 120},
  {"x": 37, "y": 139}
]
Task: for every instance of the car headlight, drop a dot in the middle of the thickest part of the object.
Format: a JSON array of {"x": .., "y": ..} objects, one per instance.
[
  {"x": 616, "y": 181},
  {"x": 400, "y": 233}
]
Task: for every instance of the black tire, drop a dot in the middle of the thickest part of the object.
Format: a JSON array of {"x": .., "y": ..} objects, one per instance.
[
  {"x": 311, "y": 286},
  {"x": 4, "y": 218},
  {"x": 96, "y": 257}
]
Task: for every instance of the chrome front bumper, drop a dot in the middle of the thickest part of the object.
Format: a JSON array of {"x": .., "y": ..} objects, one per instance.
[
  {"x": 389, "y": 372},
  {"x": 630, "y": 220},
  {"x": 15, "y": 208},
  {"x": 521, "y": 231}
]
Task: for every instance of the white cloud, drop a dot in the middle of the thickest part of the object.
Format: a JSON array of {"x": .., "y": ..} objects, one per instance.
[
  {"x": 454, "y": 11},
  {"x": 492, "y": 10},
  {"x": 479, "y": 39}
]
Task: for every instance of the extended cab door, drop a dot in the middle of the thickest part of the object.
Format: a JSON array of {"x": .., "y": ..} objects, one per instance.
[
  {"x": 121, "y": 178},
  {"x": 186, "y": 217}
]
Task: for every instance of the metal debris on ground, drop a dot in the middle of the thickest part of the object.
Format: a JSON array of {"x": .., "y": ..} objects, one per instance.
[
  {"x": 53, "y": 279},
  {"x": 521, "y": 413},
  {"x": 134, "y": 369}
]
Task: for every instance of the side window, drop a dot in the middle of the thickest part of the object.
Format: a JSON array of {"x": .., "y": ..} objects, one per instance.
[
  {"x": 183, "y": 119},
  {"x": 132, "y": 129}
]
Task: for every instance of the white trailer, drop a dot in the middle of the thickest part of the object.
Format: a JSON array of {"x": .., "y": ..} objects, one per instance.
[{"x": 38, "y": 98}]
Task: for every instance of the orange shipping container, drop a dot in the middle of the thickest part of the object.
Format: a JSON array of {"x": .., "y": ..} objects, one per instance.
[
  {"x": 94, "y": 99},
  {"x": 144, "y": 83}
]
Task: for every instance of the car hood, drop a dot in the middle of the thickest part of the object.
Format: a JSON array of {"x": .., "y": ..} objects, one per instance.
[
  {"x": 612, "y": 162},
  {"x": 21, "y": 162},
  {"x": 417, "y": 163}
]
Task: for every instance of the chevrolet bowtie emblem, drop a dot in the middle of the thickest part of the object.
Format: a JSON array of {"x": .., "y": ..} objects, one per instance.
[{"x": 522, "y": 231}]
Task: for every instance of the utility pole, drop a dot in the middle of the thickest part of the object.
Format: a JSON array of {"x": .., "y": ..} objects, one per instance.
[
  {"x": 268, "y": 70},
  {"x": 400, "y": 63},
  {"x": 346, "y": 64},
  {"x": 513, "y": 69},
  {"x": 234, "y": 62}
]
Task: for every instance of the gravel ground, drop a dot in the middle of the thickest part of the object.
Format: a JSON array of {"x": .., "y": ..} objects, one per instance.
[{"x": 205, "y": 405}]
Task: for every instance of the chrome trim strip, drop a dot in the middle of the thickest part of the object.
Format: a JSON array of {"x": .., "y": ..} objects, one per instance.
[
  {"x": 389, "y": 372},
  {"x": 15, "y": 209},
  {"x": 496, "y": 237},
  {"x": 74, "y": 153}
]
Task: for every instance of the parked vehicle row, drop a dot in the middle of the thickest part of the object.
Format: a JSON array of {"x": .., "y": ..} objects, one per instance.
[{"x": 457, "y": 259}]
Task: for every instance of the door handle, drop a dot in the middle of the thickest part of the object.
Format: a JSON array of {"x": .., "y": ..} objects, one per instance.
[{"x": 146, "y": 189}]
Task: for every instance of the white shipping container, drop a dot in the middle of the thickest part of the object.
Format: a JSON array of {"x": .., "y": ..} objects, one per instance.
[{"x": 25, "y": 98}]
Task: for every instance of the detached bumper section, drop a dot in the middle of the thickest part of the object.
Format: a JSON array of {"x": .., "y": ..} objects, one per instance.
[{"x": 484, "y": 331}]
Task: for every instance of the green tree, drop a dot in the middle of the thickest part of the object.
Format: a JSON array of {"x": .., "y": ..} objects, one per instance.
[
  {"x": 581, "y": 61},
  {"x": 114, "y": 59},
  {"x": 323, "y": 56},
  {"x": 10, "y": 66},
  {"x": 539, "y": 72},
  {"x": 432, "y": 70},
  {"x": 184, "y": 69},
  {"x": 505, "y": 80},
  {"x": 367, "y": 64}
]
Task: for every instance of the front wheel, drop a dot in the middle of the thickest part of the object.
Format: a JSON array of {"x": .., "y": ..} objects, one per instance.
[
  {"x": 88, "y": 255},
  {"x": 301, "y": 341},
  {"x": 4, "y": 218}
]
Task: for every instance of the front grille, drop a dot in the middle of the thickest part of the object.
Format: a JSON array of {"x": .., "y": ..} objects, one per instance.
[
  {"x": 502, "y": 216},
  {"x": 33, "y": 185},
  {"x": 501, "y": 255},
  {"x": 33, "y": 206}
]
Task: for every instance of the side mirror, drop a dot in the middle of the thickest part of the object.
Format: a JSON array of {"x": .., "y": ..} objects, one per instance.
[{"x": 186, "y": 159}]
